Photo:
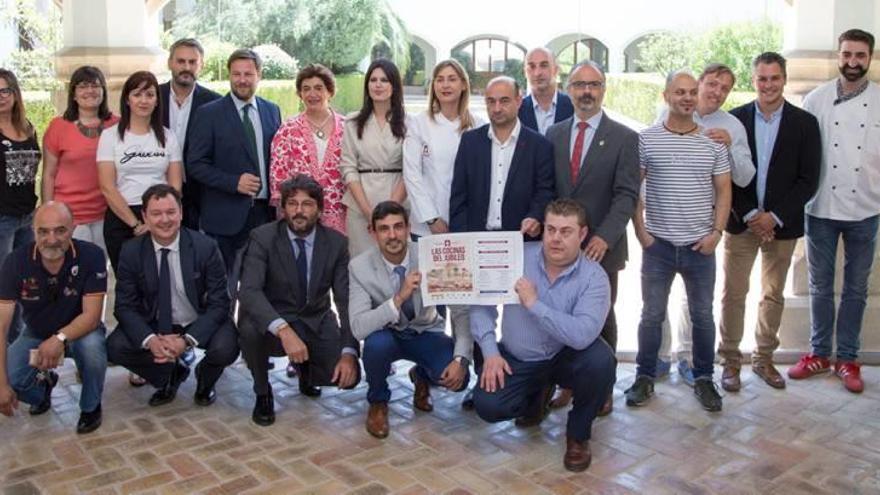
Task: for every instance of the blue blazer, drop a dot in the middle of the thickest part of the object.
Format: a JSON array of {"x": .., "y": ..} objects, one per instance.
[
  {"x": 216, "y": 157},
  {"x": 531, "y": 182},
  {"x": 564, "y": 110},
  {"x": 204, "y": 280}
]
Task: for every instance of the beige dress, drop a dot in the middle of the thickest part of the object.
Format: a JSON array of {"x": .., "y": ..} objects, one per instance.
[{"x": 365, "y": 160}]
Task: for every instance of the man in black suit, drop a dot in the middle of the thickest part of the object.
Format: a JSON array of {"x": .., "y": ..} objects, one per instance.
[
  {"x": 171, "y": 295},
  {"x": 180, "y": 97},
  {"x": 767, "y": 216},
  {"x": 228, "y": 154},
  {"x": 544, "y": 105},
  {"x": 597, "y": 165},
  {"x": 288, "y": 269}
]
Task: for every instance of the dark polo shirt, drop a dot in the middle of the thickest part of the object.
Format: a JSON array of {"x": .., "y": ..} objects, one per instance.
[{"x": 50, "y": 302}]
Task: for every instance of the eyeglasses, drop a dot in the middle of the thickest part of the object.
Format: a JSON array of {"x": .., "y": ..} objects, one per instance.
[
  {"x": 586, "y": 84},
  {"x": 87, "y": 85},
  {"x": 6, "y": 92}
]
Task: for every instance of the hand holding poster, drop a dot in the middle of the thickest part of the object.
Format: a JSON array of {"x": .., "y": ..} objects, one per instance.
[{"x": 472, "y": 268}]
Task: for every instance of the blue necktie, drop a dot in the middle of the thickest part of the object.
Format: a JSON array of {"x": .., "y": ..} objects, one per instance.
[
  {"x": 407, "y": 306},
  {"x": 164, "y": 313},
  {"x": 302, "y": 270}
]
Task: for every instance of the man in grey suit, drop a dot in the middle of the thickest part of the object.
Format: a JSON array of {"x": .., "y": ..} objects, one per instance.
[
  {"x": 387, "y": 314},
  {"x": 597, "y": 165},
  {"x": 288, "y": 269}
]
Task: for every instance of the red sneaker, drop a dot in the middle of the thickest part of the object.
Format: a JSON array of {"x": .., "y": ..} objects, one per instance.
[
  {"x": 850, "y": 373},
  {"x": 809, "y": 365}
]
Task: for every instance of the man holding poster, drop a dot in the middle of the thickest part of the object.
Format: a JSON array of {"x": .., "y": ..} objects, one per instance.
[
  {"x": 386, "y": 312},
  {"x": 551, "y": 337}
]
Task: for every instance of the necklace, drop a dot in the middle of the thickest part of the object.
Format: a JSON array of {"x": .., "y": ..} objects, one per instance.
[
  {"x": 318, "y": 129},
  {"x": 692, "y": 129},
  {"x": 89, "y": 132}
]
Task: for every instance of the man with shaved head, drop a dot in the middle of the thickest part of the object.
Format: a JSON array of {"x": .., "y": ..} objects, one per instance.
[
  {"x": 60, "y": 284},
  {"x": 686, "y": 205},
  {"x": 503, "y": 177},
  {"x": 545, "y": 105}
]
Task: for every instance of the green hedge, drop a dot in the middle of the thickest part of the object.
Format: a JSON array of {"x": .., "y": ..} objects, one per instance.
[
  {"x": 349, "y": 93},
  {"x": 640, "y": 97},
  {"x": 39, "y": 109}
]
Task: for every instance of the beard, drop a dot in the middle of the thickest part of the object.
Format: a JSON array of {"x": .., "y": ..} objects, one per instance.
[
  {"x": 852, "y": 74},
  {"x": 181, "y": 81},
  {"x": 299, "y": 228}
]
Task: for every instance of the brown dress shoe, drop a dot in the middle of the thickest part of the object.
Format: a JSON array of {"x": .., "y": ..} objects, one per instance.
[
  {"x": 562, "y": 399},
  {"x": 577, "y": 455},
  {"x": 730, "y": 379},
  {"x": 422, "y": 392},
  {"x": 607, "y": 407},
  {"x": 377, "y": 420},
  {"x": 769, "y": 374}
]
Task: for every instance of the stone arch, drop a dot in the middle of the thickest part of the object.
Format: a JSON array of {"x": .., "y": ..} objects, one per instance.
[
  {"x": 631, "y": 50},
  {"x": 485, "y": 56},
  {"x": 571, "y": 48},
  {"x": 429, "y": 54}
]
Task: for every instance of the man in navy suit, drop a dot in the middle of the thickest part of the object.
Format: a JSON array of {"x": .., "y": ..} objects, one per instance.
[
  {"x": 766, "y": 215},
  {"x": 171, "y": 295},
  {"x": 228, "y": 154},
  {"x": 545, "y": 105},
  {"x": 504, "y": 175},
  {"x": 181, "y": 97}
]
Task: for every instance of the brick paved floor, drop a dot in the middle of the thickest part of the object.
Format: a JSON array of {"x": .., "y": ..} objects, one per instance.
[{"x": 812, "y": 438}]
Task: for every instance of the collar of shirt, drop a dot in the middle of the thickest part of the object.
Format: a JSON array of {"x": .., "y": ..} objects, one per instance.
[
  {"x": 310, "y": 238},
  {"x": 510, "y": 140},
  {"x": 773, "y": 116},
  {"x": 842, "y": 97},
  {"x": 186, "y": 100},
  {"x": 174, "y": 246},
  {"x": 239, "y": 103},
  {"x": 552, "y": 102},
  {"x": 568, "y": 270},
  {"x": 592, "y": 121},
  {"x": 391, "y": 266}
]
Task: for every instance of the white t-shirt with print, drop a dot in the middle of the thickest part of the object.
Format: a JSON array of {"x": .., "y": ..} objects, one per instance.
[{"x": 139, "y": 159}]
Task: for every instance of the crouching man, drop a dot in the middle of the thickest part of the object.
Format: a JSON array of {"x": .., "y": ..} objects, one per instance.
[{"x": 551, "y": 337}]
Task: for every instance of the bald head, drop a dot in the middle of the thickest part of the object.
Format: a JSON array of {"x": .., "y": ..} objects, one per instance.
[
  {"x": 541, "y": 70},
  {"x": 675, "y": 75},
  {"x": 502, "y": 102},
  {"x": 506, "y": 80},
  {"x": 53, "y": 228},
  {"x": 681, "y": 94}
]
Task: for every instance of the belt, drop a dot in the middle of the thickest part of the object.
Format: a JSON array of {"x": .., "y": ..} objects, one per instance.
[{"x": 381, "y": 171}]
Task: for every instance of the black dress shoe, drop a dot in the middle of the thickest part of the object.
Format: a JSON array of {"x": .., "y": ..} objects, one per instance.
[
  {"x": 50, "y": 379},
  {"x": 167, "y": 393},
  {"x": 89, "y": 421},
  {"x": 468, "y": 402},
  {"x": 205, "y": 395},
  {"x": 264, "y": 410},
  {"x": 304, "y": 378}
]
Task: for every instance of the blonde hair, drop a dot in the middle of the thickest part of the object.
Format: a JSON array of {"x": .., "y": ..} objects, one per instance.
[{"x": 464, "y": 115}]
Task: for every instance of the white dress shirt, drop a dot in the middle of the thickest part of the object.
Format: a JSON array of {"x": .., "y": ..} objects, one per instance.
[
  {"x": 178, "y": 115},
  {"x": 849, "y": 183},
  {"x": 545, "y": 118},
  {"x": 502, "y": 156},
  {"x": 590, "y": 132},
  {"x": 258, "y": 131},
  {"x": 182, "y": 311}
]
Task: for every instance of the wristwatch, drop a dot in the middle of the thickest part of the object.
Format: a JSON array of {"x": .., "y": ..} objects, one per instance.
[
  {"x": 463, "y": 361},
  {"x": 432, "y": 221},
  {"x": 60, "y": 336}
]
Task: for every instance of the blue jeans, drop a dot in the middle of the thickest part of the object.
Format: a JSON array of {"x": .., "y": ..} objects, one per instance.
[
  {"x": 89, "y": 352},
  {"x": 431, "y": 351},
  {"x": 859, "y": 239},
  {"x": 661, "y": 261},
  {"x": 14, "y": 232}
]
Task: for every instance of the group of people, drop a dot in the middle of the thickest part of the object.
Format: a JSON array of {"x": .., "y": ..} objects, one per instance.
[{"x": 203, "y": 203}]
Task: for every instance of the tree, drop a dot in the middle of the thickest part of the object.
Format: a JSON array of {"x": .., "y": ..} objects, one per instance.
[
  {"x": 665, "y": 52},
  {"x": 39, "y": 37}
]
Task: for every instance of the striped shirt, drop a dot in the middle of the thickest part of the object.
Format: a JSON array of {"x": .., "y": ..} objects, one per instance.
[{"x": 679, "y": 188}]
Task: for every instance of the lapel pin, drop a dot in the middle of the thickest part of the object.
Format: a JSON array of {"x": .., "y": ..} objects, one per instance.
[{"x": 602, "y": 142}]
